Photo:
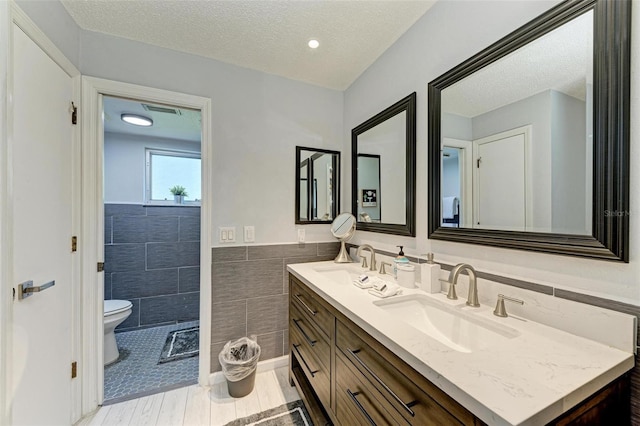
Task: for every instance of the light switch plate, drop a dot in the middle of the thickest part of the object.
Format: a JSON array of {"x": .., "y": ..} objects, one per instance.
[
  {"x": 227, "y": 234},
  {"x": 249, "y": 234},
  {"x": 301, "y": 235}
]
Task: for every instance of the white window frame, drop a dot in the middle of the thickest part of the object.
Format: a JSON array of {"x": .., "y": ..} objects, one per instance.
[{"x": 170, "y": 153}]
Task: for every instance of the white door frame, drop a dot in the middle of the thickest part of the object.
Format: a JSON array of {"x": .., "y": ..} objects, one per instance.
[
  {"x": 466, "y": 179},
  {"x": 11, "y": 14},
  {"x": 93, "y": 217}
]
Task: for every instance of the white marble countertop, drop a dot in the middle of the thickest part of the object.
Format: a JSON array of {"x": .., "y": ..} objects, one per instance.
[{"x": 529, "y": 380}]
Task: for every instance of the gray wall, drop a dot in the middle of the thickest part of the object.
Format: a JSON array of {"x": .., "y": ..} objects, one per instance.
[
  {"x": 152, "y": 258},
  {"x": 257, "y": 121},
  {"x": 534, "y": 111},
  {"x": 124, "y": 164},
  {"x": 251, "y": 293},
  {"x": 569, "y": 162}
]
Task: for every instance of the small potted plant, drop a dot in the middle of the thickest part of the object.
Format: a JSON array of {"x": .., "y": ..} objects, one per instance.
[{"x": 179, "y": 192}]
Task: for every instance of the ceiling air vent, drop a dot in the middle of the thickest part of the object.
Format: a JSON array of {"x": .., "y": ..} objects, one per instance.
[{"x": 165, "y": 110}]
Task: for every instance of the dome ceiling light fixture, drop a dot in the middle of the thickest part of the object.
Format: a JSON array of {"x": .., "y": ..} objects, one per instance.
[
  {"x": 313, "y": 43},
  {"x": 137, "y": 120}
]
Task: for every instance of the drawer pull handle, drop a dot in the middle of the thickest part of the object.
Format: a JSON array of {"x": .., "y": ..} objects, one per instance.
[
  {"x": 313, "y": 373},
  {"x": 311, "y": 342},
  {"x": 407, "y": 407},
  {"x": 360, "y": 407},
  {"x": 305, "y": 305}
]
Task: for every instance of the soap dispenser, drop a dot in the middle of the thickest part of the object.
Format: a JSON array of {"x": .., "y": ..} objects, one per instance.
[
  {"x": 430, "y": 275},
  {"x": 399, "y": 260}
]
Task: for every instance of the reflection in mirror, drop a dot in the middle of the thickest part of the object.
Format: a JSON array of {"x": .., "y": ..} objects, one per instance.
[
  {"x": 529, "y": 141},
  {"x": 369, "y": 187},
  {"x": 383, "y": 175},
  {"x": 317, "y": 185}
]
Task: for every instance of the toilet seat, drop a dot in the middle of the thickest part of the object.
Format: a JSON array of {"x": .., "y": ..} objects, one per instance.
[{"x": 112, "y": 307}]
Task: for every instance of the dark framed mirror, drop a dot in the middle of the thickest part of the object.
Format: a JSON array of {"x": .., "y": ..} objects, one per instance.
[
  {"x": 383, "y": 170},
  {"x": 529, "y": 139},
  {"x": 317, "y": 183}
]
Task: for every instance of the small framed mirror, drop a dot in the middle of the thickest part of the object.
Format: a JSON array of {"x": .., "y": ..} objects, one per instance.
[
  {"x": 384, "y": 170},
  {"x": 317, "y": 183}
]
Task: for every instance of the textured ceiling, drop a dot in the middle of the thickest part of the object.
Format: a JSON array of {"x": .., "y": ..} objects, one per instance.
[
  {"x": 269, "y": 36},
  {"x": 561, "y": 60}
]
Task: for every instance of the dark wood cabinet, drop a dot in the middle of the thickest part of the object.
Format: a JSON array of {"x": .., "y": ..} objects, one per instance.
[{"x": 346, "y": 377}]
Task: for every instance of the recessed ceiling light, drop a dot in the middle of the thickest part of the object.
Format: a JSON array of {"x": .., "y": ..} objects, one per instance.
[
  {"x": 137, "y": 120},
  {"x": 313, "y": 43}
]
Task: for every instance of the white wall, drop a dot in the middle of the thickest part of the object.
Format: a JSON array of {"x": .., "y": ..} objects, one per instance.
[
  {"x": 52, "y": 18},
  {"x": 450, "y": 32},
  {"x": 568, "y": 157},
  {"x": 124, "y": 164},
  {"x": 258, "y": 120}
]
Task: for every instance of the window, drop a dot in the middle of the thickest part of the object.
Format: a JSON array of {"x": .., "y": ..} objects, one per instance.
[{"x": 166, "y": 169}]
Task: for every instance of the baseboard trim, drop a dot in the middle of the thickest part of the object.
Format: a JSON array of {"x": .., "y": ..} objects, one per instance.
[{"x": 266, "y": 365}]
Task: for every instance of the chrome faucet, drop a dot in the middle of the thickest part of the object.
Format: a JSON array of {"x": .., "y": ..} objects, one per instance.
[
  {"x": 472, "y": 298},
  {"x": 372, "y": 267}
]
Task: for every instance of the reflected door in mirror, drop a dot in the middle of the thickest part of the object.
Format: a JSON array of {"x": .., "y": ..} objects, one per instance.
[{"x": 543, "y": 183}]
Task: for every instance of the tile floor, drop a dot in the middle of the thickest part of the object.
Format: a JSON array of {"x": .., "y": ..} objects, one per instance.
[
  {"x": 196, "y": 405},
  {"x": 138, "y": 372}
]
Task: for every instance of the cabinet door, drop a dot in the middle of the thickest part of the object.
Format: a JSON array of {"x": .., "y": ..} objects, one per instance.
[{"x": 356, "y": 401}]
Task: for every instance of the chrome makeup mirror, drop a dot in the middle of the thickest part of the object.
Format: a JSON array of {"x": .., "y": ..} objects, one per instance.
[
  {"x": 537, "y": 157},
  {"x": 343, "y": 228}
]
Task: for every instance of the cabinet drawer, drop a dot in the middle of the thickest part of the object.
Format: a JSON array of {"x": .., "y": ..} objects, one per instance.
[
  {"x": 316, "y": 372},
  {"x": 301, "y": 333},
  {"x": 356, "y": 402},
  {"x": 382, "y": 370},
  {"x": 309, "y": 304}
]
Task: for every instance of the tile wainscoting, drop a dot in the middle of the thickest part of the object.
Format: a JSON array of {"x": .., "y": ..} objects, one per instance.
[
  {"x": 250, "y": 293},
  {"x": 152, "y": 258}
]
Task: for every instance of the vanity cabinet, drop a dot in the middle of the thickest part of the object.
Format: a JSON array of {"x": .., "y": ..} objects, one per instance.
[{"x": 346, "y": 377}]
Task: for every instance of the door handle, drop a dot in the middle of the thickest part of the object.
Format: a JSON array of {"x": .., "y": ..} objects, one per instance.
[{"x": 26, "y": 289}]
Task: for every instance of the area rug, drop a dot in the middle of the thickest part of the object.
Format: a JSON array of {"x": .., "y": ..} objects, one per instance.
[
  {"x": 291, "y": 414},
  {"x": 180, "y": 344}
]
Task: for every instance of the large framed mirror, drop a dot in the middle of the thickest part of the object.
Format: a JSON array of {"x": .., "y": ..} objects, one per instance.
[
  {"x": 317, "y": 183},
  {"x": 383, "y": 169},
  {"x": 529, "y": 139}
]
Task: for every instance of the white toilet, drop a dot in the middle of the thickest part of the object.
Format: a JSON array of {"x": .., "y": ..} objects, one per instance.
[{"x": 115, "y": 311}]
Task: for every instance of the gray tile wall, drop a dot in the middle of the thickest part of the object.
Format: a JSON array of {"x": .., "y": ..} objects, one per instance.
[
  {"x": 250, "y": 292},
  {"x": 152, "y": 258}
]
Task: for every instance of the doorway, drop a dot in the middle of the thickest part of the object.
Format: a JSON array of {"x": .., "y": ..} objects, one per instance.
[
  {"x": 100, "y": 225},
  {"x": 152, "y": 195}
]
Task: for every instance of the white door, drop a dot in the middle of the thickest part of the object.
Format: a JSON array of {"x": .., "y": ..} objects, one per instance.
[
  {"x": 42, "y": 214},
  {"x": 500, "y": 183}
]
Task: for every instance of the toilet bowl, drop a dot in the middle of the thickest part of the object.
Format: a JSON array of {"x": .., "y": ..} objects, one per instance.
[{"x": 115, "y": 311}]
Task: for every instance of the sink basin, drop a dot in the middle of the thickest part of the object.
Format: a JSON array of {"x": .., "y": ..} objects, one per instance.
[
  {"x": 450, "y": 325},
  {"x": 343, "y": 273}
]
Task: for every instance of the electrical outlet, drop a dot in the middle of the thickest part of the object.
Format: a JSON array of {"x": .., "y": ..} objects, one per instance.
[
  {"x": 227, "y": 234},
  {"x": 301, "y": 235},
  {"x": 249, "y": 234}
]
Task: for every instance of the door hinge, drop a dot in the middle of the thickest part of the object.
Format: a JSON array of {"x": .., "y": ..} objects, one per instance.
[
  {"x": 100, "y": 266},
  {"x": 74, "y": 369},
  {"x": 74, "y": 114},
  {"x": 74, "y": 244}
]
